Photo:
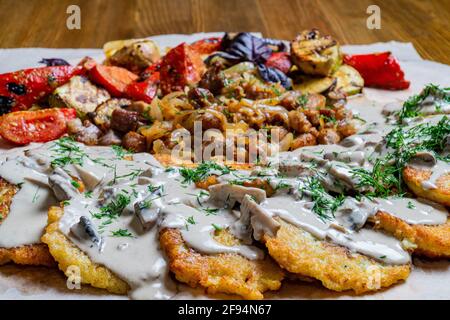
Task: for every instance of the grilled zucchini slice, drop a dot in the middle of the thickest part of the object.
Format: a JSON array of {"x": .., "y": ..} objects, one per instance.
[
  {"x": 309, "y": 84},
  {"x": 314, "y": 54},
  {"x": 348, "y": 80}
]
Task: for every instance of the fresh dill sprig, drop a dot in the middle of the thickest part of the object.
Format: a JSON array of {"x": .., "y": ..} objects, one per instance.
[
  {"x": 114, "y": 208},
  {"x": 411, "y": 107},
  {"x": 386, "y": 177},
  {"x": 203, "y": 171},
  {"x": 324, "y": 204}
]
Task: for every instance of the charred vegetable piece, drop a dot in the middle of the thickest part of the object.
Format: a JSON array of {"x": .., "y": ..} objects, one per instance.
[
  {"x": 348, "y": 80},
  {"x": 379, "y": 70},
  {"x": 23, "y": 127},
  {"x": 143, "y": 90},
  {"x": 314, "y": 84},
  {"x": 280, "y": 61},
  {"x": 180, "y": 67},
  {"x": 103, "y": 113},
  {"x": 315, "y": 54},
  {"x": 79, "y": 93},
  {"x": 53, "y": 62},
  {"x": 113, "y": 79},
  {"x": 134, "y": 55},
  {"x": 207, "y": 46},
  {"x": 21, "y": 89}
]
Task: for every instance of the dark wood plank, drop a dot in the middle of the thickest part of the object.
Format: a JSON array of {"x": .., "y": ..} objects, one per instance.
[{"x": 32, "y": 23}]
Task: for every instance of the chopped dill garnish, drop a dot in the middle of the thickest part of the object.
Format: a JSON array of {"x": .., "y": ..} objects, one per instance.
[
  {"x": 324, "y": 204},
  {"x": 120, "y": 152},
  {"x": 76, "y": 184},
  {"x": 66, "y": 151},
  {"x": 411, "y": 205},
  {"x": 189, "y": 220},
  {"x": 210, "y": 211},
  {"x": 411, "y": 107},
  {"x": 114, "y": 208},
  {"x": 121, "y": 233},
  {"x": 386, "y": 177},
  {"x": 203, "y": 171}
]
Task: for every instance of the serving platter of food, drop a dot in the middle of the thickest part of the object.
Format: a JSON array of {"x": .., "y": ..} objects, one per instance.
[{"x": 225, "y": 166}]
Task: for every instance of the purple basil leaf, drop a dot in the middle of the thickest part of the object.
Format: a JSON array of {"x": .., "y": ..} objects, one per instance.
[
  {"x": 52, "y": 62},
  {"x": 274, "y": 75}
]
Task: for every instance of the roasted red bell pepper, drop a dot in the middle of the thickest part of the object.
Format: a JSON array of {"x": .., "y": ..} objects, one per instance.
[
  {"x": 180, "y": 67},
  {"x": 23, "y": 127},
  {"x": 280, "y": 61},
  {"x": 207, "y": 46},
  {"x": 379, "y": 70},
  {"x": 113, "y": 79},
  {"x": 21, "y": 89},
  {"x": 143, "y": 90}
]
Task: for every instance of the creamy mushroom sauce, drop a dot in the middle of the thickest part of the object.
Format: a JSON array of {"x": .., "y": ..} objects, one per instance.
[{"x": 128, "y": 199}]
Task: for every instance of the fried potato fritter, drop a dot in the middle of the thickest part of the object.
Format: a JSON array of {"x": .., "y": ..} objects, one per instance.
[
  {"x": 414, "y": 177},
  {"x": 431, "y": 241},
  {"x": 225, "y": 273},
  {"x": 37, "y": 254},
  {"x": 336, "y": 267},
  {"x": 67, "y": 254}
]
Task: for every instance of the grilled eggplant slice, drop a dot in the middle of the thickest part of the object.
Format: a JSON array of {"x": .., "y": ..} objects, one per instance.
[
  {"x": 314, "y": 54},
  {"x": 79, "y": 93}
]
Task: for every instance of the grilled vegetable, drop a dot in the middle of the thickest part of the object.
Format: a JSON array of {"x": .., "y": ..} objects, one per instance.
[
  {"x": 348, "y": 80},
  {"x": 280, "y": 61},
  {"x": 315, "y": 54},
  {"x": 23, "y": 127},
  {"x": 113, "y": 79},
  {"x": 180, "y": 67},
  {"x": 379, "y": 70},
  {"x": 207, "y": 46},
  {"x": 143, "y": 90},
  {"x": 103, "y": 113},
  {"x": 79, "y": 93},
  {"x": 21, "y": 89},
  {"x": 309, "y": 84},
  {"x": 135, "y": 55}
]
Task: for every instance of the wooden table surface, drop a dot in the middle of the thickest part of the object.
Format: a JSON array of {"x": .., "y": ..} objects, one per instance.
[{"x": 42, "y": 23}]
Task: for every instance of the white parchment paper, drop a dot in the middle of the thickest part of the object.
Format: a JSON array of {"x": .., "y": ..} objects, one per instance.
[{"x": 428, "y": 279}]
